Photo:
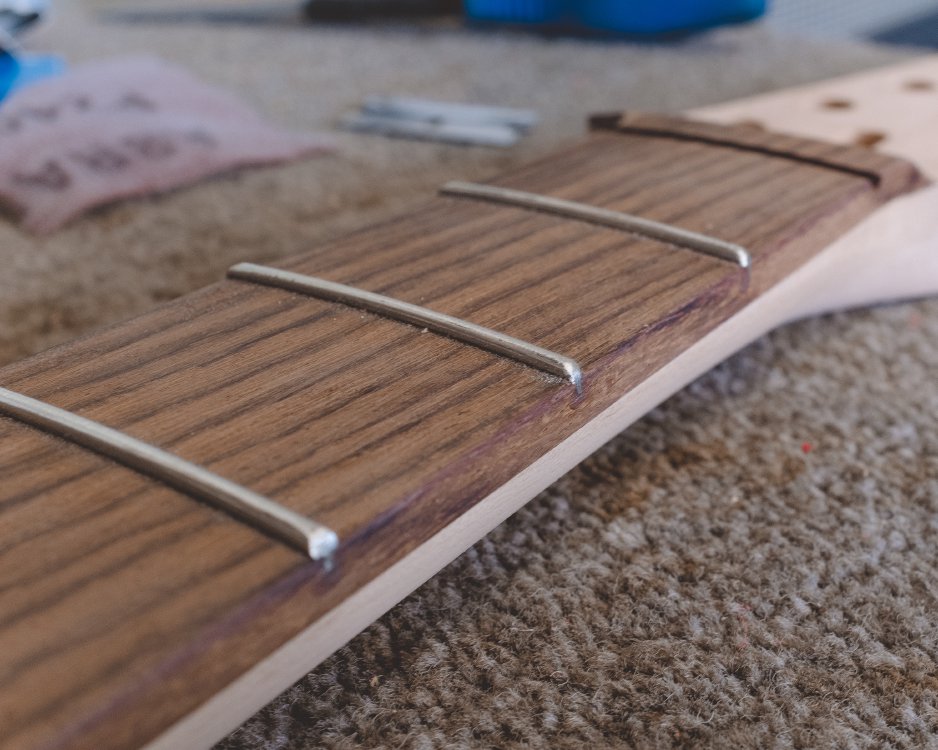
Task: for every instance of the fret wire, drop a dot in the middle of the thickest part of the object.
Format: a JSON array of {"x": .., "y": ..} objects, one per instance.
[
  {"x": 593, "y": 214},
  {"x": 447, "y": 325},
  {"x": 305, "y": 534}
]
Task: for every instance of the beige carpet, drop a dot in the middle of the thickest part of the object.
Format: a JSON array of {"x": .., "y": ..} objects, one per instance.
[{"x": 702, "y": 580}]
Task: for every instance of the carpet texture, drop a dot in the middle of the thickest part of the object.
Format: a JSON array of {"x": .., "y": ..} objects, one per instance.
[{"x": 751, "y": 565}]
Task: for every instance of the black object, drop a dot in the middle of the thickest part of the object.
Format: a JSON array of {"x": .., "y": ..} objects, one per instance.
[
  {"x": 919, "y": 32},
  {"x": 359, "y": 10}
]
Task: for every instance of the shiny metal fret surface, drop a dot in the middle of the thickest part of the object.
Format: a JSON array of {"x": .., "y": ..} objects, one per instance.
[
  {"x": 447, "y": 325},
  {"x": 305, "y": 534},
  {"x": 615, "y": 219}
]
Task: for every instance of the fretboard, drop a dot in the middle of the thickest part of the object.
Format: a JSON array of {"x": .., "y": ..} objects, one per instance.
[{"x": 126, "y": 602}]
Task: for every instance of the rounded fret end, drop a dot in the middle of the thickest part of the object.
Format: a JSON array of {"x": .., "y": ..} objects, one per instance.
[{"x": 574, "y": 374}]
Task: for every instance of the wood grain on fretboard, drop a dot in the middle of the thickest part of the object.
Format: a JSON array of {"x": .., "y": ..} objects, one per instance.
[{"x": 123, "y": 604}]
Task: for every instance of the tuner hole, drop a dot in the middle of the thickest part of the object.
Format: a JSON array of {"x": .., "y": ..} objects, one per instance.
[
  {"x": 838, "y": 104},
  {"x": 870, "y": 138},
  {"x": 919, "y": 85}
]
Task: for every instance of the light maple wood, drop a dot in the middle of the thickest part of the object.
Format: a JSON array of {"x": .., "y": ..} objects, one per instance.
[
  {"x": 149, "y": 603},
  {"x": 895, "y": 256}
]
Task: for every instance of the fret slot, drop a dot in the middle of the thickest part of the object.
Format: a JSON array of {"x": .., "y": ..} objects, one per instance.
[
  {"x": 422, "y": 317},
  {"x": 311, "y": 538},
  {"x": 616, "y": 219},
  {"x": 888, "y": 177}
]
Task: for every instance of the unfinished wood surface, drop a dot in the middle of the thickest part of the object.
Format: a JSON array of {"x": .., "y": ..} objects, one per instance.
[
  {"x": 891, "y": 255},
  {"x": 892, "y": 110},
  {"x": 909, "y": 224},
  {"x": 126, "y": 605}
]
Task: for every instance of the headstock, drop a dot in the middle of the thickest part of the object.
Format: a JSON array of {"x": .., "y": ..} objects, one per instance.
[{"x": 892, "y": 255}]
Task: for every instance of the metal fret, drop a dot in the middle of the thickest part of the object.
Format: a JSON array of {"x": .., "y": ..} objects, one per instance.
[
  {"x": 297, "y": 530},
  {"x": 615, "y": 219},
  {"x": 463, "y": 330}
]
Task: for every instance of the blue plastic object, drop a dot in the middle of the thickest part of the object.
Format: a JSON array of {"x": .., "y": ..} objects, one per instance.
[
  {"x": 16, "y": 72},
  {"x": 623, "y": 16},
  {"x": 9, "y": 70},
  {"x": 517, "y": 11}
]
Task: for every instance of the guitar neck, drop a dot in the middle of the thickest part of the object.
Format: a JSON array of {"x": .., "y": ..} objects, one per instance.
[{"x": 134, "y": 611}]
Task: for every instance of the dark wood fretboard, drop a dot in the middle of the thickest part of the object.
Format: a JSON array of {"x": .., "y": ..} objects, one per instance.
[{"x": 125, "y": 604}]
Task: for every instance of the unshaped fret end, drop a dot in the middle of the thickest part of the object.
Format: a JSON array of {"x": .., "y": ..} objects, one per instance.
[{"x": 321, "y": 543}]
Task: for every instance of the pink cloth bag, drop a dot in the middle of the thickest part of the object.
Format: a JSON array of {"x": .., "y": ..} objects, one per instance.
[{"x": 126, "y": 127}]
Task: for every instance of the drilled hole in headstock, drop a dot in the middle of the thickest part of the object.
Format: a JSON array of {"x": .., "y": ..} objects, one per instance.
[
  {"x": 919, "y": 85},
  {"x": 869, "y": 138},
  {"x": 838, "y": 104}
]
